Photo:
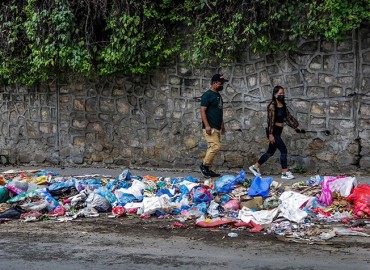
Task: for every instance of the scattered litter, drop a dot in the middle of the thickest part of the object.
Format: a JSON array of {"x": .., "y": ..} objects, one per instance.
[
  {"x": 232, "y": 234},
  {"x": 311, "y": 211}
]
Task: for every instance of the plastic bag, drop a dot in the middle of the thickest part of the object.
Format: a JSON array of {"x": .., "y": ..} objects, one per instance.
[
  {"x": 52, "y": 203},
  {"x": 260, "y": 186},
  {"x": 169, "y": 192},
  {"x": 108, "y": 195},
  {"x": 213, "y": 209},
  {"x": 136, "y": 189},
  {"x": 58, "y": 211},
  {"x": 232, "y": 205},
  {"x": 341, "y": 184},
  {"x": 17, "y": 187},
  {"x": 35, "y": 206},
  {"x": 98, "y": 202},
  {"x": 4, "y": 194},
  {"x": 118, "y": 211},
  {"x": 58, "y": 188},
  {"x": 360, "y": 197},
  {"x": 125, "y": 175},
  {"x": 152, "y": 204},
  {"x": 290, "y": 206},
  {"x": 226, "y": 183},
  {"x": 125, "y": 198},
  {"x": 201, "y": 194}
]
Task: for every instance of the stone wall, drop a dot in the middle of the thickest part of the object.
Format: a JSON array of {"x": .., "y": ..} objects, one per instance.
[{"x": 154, "y": 120}]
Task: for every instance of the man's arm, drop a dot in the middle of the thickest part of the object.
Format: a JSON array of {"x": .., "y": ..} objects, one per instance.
[{"x": 205, "y": 119}]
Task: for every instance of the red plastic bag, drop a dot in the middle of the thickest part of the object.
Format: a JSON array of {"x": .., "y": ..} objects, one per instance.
[
  {"x": 58, "y": 211},
  {"x": 360, "y": 197},
  {"x": 118, "y": 211}
]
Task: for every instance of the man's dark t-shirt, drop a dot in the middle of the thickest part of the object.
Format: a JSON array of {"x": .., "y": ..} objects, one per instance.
[{"x": 214, "y": 103}]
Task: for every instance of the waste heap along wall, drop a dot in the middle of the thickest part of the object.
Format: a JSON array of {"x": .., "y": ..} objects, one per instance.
[{"x": 154, "y": 121}]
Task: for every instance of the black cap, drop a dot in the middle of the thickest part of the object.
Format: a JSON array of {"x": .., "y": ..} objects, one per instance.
[{"x": 218, "y": 78}]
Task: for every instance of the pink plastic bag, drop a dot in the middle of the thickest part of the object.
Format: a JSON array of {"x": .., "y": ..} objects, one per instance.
[
  {"x": 232, "y": 205},
  {"x": 326, "y": 198}
]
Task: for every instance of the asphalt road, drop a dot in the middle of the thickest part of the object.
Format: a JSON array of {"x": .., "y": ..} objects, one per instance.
[{"x": 134, "y": 243}]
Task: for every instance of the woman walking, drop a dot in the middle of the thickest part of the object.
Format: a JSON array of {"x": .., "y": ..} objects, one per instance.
[{"x": 277, "y": 115}]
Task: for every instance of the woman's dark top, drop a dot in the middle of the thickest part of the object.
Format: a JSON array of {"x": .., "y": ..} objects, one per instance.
[{"x": 279, "y": 115}]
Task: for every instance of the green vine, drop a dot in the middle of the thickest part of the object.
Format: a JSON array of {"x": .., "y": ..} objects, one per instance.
[{"x": 41, "y": 39}]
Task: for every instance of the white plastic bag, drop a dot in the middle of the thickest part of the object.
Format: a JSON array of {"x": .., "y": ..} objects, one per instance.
[
  {"x": 343, "y": 185},
  {"x": 98, "y": 202},
  {"x": 152, "y": 204},
  {"x": 290, "y": 205},
  {"x": 259, "y": 217}
]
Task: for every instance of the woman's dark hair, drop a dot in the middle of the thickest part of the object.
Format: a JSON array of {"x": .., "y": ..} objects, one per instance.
[{"x": 275, "y": 90}]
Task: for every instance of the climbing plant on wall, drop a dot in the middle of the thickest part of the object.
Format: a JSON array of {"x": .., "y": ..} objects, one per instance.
[{"x": 40, "y": 39}]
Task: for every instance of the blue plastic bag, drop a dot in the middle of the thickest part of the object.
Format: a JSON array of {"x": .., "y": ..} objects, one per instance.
[
  {"x": 191, "y": 179},
  {"x": 260, "y": 186},
  {"x": 125, "y": 175},
  {"x": 108, "y": 195},
  {"x": 184, "y": 190},
  {"x": 163, "y": 191},
  {"x": 226, "y": 183},
  {"x": 202, "y": 195}
]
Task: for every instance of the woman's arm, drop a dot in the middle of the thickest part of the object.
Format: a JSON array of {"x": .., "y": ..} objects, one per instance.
[{"x": 290, "y": 120}]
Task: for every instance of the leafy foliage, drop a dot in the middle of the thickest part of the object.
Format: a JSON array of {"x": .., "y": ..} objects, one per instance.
[{"x": 41, "y": 39}]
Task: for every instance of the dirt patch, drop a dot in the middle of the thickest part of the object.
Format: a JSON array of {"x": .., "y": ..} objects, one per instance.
[{"x": 165, "y": 228}]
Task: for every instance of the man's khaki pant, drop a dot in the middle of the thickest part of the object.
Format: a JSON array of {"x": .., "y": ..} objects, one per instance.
[{"x": 213, "y": 146}]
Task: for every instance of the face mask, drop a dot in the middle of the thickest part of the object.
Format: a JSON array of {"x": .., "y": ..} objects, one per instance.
[
  {"x": 280, "y": 98},
  {"x": 220, "y": 88}
]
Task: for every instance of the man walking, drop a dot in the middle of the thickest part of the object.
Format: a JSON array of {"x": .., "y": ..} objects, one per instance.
[{"x": 211, "y": 111}]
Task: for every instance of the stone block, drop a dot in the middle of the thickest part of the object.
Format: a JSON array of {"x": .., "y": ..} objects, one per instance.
[
  {"x": 346, "y": 68},
  {"x": 252, "y": 80},
  {"x": 334, "y": 91},
  {"x": 318, "y": 108},
  {"x": 329, "y": 63},
  {"x": 79, "y": 104},
  {"x": 325, "y": 79},
  {"x": 122, "y": 162},
  {"x": 339, "y": 109},
  {"x": 316, "y": 63},
  {"x": 345, "y": 45},
  {"x": 24, "y": 157},
  {"x": 309, "y": 77},
  {"x": 77, "y": 159}
]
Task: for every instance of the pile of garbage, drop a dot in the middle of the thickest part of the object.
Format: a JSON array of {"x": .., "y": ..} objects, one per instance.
[{"x": 315, "y": 210}]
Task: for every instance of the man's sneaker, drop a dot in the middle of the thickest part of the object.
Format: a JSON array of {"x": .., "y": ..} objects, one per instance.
[
  {"x": 287, "y": 175},
  {"x": 255, "y": 171},
  {"x": 213, "y": 174},
  {"x": 205, "y": 171}
]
